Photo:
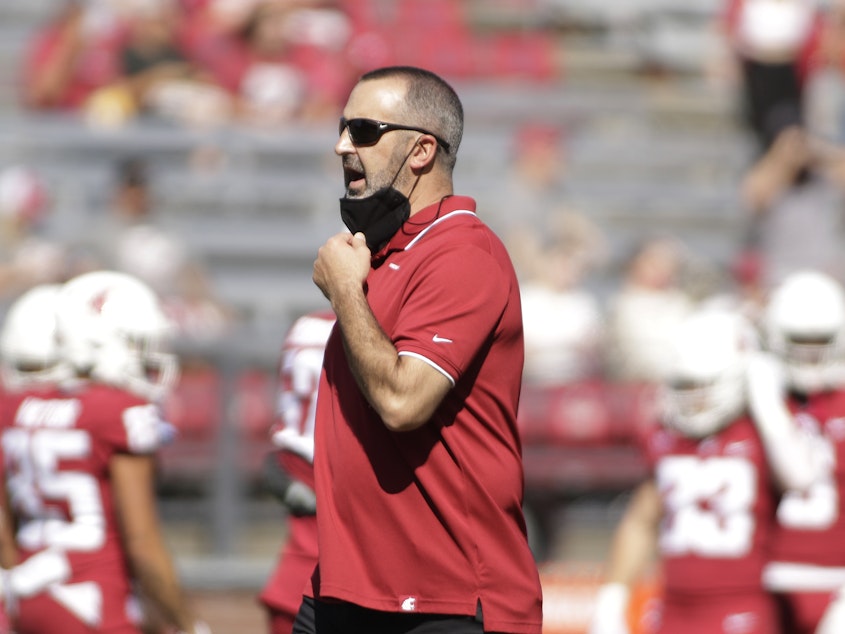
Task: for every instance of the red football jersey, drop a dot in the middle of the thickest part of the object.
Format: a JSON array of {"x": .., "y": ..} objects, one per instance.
[
  {"x": 811, "y": 525},
  {"x": 300, "y": 365},
  {"x": 56, "y": 452},
  {"x": 299, "y": 376},
  {"x": 719, "y": 506}
]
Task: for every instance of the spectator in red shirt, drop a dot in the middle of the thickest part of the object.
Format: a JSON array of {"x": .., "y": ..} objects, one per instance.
[
  {"x": 279, "y": 61},
  {"x": 156, "y": 76},
  {"x": 71, "y": 56}
]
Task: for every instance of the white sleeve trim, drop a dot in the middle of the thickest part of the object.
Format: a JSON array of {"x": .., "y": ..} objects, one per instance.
[
  {"x": 431, "y": 363},
  {"x": 142, "y": 424},
  {"x": 781, "y": 576}
]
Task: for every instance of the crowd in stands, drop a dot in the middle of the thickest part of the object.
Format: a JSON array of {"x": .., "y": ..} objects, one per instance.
[
  {"x": 254, "y": 62},
  {"x": 197, "y": 63}
]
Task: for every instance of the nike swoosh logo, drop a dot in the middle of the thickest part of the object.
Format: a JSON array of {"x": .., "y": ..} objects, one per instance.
[{"x": 439, "y": 339}]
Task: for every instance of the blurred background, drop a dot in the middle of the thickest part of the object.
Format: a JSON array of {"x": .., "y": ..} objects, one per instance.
[{"x": 609, "y": 143}]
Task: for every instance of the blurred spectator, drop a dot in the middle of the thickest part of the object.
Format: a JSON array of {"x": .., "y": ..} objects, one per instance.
[
  {"x": 562, "y": 320},
  {"x": 645, "y": 311},
  {"x": 115, "y": 59},
  {"x": 27, "y": 256},
  {"x": 72, "y": 55},
  {"x": 742, "y": 288},
  {"x": 825, "y": 92},
  {"x": 129, "y": 239},
  {"x": 534, "y": 185},
  {"x": 795, "y": 195},
  {"x": 156, "y": 76},
  {"x": 279, "y": 60},
  {"x": 773, "y": 43}
]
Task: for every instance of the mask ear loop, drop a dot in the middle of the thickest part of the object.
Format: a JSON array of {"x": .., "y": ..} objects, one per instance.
[
  {"x": 401, "y": 165},
  {"x": 410, "y": 221}
]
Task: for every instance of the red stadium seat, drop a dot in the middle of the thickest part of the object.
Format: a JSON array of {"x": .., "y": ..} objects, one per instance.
[
  {"x": 564, "y": 414},
  {"x": 254, "y": 412},
  {"x": 451, "y": 55},
  {"x": 255, "y": 403},
  {"x": 520, "y": 56},
  {"x": 577, "y": 438},
  {"x": 431, "y": 16},
  {"x": 634, "y": 407},
  {"x": 194, "y": 406}
]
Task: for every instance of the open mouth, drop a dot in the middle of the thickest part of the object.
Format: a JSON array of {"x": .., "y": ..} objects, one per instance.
[{"x": 354, "y": 179}]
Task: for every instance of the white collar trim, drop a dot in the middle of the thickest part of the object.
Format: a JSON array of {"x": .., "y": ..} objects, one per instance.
[{"x": 457, "y": 212}]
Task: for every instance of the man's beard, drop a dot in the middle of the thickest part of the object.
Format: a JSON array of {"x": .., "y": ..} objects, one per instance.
[
  {"x": 390, "y": 176},
  {"x": 380, "y": 210}
]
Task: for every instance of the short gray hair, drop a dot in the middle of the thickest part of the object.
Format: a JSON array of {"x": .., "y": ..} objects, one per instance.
[{"x": 431, "y": 103}]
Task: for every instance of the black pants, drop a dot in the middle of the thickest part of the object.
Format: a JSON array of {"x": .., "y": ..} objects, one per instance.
[
  {"x": 773, "y": 99},
  {"x": 319, "y": 617}
]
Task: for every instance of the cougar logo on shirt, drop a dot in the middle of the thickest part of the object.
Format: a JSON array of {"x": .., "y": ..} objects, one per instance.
[{"x": 409, "y": 604}]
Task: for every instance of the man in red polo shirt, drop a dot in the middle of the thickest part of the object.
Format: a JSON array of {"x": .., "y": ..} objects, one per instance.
[{"x": 418, "y": 463}]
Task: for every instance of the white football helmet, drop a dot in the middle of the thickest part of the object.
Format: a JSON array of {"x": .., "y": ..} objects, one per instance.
[
  {"x": 111, "y": 328},
  {"x": 705, "y": 386},
  {"x": 29, "y": 347},
  {"x": 805, "y": 327}
]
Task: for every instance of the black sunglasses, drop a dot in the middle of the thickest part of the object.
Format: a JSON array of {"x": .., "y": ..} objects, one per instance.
[{"x": 369, "y": 131}]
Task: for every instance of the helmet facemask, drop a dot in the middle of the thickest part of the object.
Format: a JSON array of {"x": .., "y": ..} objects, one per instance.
[
  {"x": 698, "y": 407},
  {"x": 705, "y": 388},
  {"x": 806, "y": 329},
  {"x": 138, "y": 364}
]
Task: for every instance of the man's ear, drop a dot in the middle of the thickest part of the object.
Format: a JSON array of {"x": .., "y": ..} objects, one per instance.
[{"x": 422, "y": 156}]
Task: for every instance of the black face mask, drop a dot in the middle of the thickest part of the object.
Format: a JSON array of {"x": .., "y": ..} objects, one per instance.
[{"x": 378, "y": 216}]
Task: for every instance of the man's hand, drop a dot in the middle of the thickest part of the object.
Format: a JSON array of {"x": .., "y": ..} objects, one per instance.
[{"x": 342, "y": 263}]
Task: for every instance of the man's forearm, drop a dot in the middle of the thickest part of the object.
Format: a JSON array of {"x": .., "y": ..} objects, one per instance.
[
  {"x": 403, "y": 390},
  {"x": 371, "y": 355}
]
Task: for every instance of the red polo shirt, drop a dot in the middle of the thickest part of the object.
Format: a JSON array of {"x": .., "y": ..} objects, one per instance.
[{"x": 430, "y": 520}]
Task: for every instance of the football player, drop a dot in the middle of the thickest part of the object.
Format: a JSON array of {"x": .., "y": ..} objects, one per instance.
[
  {"x": 29, "y": 360},
  {"x": 78, "y": 462},
  {"x": 708, "y": 507},
  {"x": 805, "y": 331},
  {"x": 288, "y": 470}
]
